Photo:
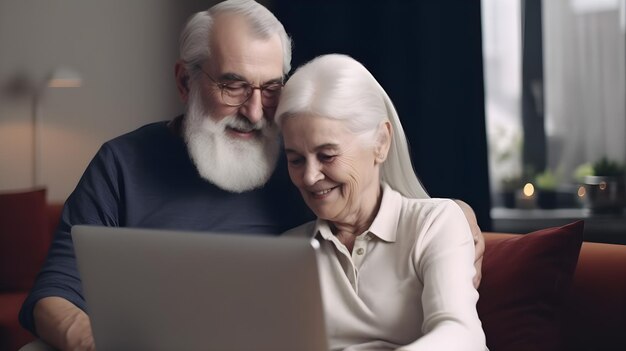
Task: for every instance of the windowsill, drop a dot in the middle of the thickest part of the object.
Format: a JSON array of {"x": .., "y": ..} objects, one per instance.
[{"x": 604, "y": 228}]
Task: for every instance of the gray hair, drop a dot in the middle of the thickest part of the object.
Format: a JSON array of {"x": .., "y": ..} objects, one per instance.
[
  {"x": 339, "y": 87},
  {"x": 194, "y": 39}
]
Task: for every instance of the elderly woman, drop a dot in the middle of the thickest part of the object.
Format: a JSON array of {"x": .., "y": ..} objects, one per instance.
[{"x": 396, "y": 267}]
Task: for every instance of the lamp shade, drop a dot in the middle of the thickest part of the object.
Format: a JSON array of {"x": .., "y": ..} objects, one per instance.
[{"x": 64, "y": 77}]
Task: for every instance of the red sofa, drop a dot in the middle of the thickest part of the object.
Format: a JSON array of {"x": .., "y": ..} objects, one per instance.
[
  {"x": 27, "y": 224},
  {"x": 591, "y": 312}
]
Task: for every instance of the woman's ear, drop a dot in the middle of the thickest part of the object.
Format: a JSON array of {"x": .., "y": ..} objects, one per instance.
[
  {"x": 182, "y": 80},
  {"x": 383, "y": 141}
]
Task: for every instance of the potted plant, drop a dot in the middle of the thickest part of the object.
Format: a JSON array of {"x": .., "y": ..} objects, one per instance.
[
  {"x": 546, "y": 183},
  {"x": 505, "y": 149},
  {"x": 509, "y": 186},
  {"x": 605, "y": 189}
]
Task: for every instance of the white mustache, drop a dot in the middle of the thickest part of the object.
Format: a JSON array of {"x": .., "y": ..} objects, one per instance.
[{"x": 244, "y": 124}]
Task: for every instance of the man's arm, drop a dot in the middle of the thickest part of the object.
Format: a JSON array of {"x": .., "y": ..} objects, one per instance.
[
  {"x": 54, "y": 308},
  {"x": 479, "y": 240},
  {"x": 63, "y": 325}
]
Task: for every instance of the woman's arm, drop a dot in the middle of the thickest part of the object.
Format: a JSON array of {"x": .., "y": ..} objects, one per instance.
[{"x": 445, "y": 266}]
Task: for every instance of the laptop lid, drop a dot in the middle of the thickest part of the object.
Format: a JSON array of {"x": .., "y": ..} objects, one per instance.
[{"x": 172, "y": 290}]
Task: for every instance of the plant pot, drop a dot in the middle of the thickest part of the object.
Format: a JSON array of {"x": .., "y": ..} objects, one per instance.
[
  {"x": 508, "y": 199},
  {"x": 605, "y": 194},
  {"x": 546, "y": 199}
]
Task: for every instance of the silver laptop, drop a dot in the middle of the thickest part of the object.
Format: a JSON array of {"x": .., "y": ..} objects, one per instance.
[{"x": 171, "y": 290}]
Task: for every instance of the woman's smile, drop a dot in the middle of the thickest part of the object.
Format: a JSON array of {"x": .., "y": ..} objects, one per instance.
[{"x": 322, "y": 194}]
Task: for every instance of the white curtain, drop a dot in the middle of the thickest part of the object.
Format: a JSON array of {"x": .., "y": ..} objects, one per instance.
[
  {"x": 584, "y": 80},
  {"x": 502, "y": 62}
]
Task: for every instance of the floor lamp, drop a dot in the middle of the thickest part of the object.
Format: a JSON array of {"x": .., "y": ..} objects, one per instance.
[{"x": 58, "y": 78}]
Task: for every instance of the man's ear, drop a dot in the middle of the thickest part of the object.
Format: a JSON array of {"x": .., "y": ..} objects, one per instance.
[
  {"x": 182, "y": 81},
  {"x": 383, "y": 141}
]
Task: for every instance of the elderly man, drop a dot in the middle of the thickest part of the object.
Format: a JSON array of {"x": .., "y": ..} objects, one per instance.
[{"x": 211, "y": 169}]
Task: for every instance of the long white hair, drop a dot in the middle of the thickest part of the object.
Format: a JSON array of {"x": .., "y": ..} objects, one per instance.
[{"x": 339, "y": 87}]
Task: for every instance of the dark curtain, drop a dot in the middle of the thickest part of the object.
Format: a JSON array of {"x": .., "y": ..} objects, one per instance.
[
  {"x": 428, "y": 56},
  {"x": 534, "y": 151}
]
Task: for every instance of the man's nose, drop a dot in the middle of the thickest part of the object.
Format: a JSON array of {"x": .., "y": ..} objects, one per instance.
[{"x": 253, "y": 108}]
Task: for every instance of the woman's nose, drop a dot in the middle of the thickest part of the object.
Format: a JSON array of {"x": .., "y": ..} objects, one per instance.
[{"x": 312, "y": 173}]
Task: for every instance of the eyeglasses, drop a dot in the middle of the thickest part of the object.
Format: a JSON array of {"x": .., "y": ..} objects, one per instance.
[{"x": 236, "y": 93}]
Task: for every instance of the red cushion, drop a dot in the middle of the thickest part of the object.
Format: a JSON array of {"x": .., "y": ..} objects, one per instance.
[
  {"x": 12, "y": 335},
  {"x": 24, "y": 238},
  {"x": 525, "y": 280}
]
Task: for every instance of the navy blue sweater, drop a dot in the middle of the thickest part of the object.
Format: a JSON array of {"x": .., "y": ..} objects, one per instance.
[{"x": 146, "y": 179}]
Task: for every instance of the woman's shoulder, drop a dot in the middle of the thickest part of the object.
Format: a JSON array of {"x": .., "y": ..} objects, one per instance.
[
  {"x": 435, "y": 205},
  {"x": 424, "y": 213}
]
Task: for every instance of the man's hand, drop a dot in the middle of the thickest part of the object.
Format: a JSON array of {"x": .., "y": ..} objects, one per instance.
[
  {"x": 479, "y": 240},
  {"x": 63, "y": 325}
]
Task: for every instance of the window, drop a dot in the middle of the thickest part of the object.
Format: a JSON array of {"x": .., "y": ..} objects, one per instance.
[{"x": 555, "y": 93}]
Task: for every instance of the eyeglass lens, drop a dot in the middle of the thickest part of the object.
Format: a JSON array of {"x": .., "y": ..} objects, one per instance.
[{"x": 237, "y": 93}]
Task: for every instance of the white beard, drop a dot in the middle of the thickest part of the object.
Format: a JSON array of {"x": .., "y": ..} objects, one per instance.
[{"x": 235, "y": 165}]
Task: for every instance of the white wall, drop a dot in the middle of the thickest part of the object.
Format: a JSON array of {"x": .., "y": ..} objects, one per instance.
[{"x": 125, "y": 52}]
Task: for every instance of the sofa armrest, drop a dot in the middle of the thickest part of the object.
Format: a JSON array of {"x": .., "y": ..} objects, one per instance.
[
  {"x": 498, "y": 236},
  {"x": 595, "y": 309}
]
